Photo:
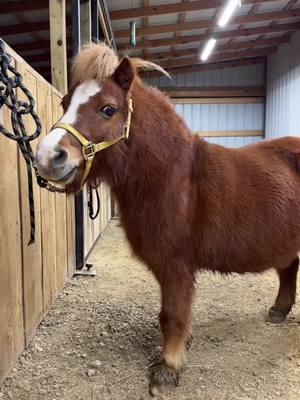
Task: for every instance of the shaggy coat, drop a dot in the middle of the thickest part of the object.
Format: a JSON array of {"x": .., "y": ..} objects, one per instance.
[{"x": 185, "y": 204}]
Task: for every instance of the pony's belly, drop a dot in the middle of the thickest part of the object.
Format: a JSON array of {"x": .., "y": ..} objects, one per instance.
[{"x": 234, "y": 265}]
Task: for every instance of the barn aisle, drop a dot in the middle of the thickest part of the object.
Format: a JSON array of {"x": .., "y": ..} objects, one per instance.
[{"x": 102, "y": 333}]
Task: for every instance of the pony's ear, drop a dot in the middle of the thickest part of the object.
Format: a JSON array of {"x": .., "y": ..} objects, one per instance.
[{"x": 124, "y": 74}]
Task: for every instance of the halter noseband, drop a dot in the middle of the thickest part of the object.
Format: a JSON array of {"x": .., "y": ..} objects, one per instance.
[{"x": 89, "y": 149}]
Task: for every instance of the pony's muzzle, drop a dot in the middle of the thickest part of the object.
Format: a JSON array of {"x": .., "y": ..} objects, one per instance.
[
  {"x": 56, "y": 166},
  {"x": 59, "y": 159}
]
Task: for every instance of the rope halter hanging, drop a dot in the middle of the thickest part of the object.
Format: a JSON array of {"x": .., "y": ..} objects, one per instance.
[{"x": 10, "y": 81}]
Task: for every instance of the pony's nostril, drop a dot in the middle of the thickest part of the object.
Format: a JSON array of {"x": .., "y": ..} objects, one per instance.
[{"x": 59, "y": 158}]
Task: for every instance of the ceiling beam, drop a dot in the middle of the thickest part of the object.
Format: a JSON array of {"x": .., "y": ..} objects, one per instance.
[
  {"x": 181, "y": 19},
  {"x": 8, "y": 7},
  {"x": 209, "y": 66},
  {"x": 222, "y": 91},
  {"x": 219, "y": 48},
  {"x": 37, "y": 58},
  {"x": 224, "y": 35},
  {"x": 32, "y": 46},
  {"x": 149, "y": 11},
  {"x": 235, "y": 55},
  {"x": 208, "y": 23},
  {"x": 27, "y": 27}
]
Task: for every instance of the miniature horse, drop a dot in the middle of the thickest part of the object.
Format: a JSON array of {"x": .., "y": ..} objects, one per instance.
[{"x": 185, "y": 204}]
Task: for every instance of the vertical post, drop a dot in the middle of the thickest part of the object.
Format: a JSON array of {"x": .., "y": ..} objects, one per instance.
[
  {"x": 85, "y": 22},
  {"x": 75, "y": 26},
  {"x": 95, "y": 20},
  {"x": 79, "y": 197},
  {"x": 58, "y": 43}
]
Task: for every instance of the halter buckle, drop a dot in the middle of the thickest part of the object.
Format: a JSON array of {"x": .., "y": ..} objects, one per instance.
[{"x": 88, "y": 151}]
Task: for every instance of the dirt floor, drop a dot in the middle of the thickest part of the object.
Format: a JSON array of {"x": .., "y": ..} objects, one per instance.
[{"x": 102, "y": 334}]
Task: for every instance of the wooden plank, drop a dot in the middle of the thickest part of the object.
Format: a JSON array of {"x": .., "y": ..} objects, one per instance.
[
  {"x": 8, "y": 7},
  {"x": 11, "y": 291},
  {"x": 251, "y": 44},
  {"x": 71, "y": 235},
  {"x": 189, "y": 39},
  {"x": 26, "y": 27},
  {"x": 232, "y": 91},
  {"x": 210, "y": 66},
  {"x": 58, "y": 40},
  {"x": 220, "y": 100},
  {"x": 208, "y": 23},
  {"x": 48, "y": 218},
  {"x": 147, "y": 11},
  {"x": 229, "y": 133},
  {"x": 226, "y": 56},
  {"x": 29, "y": 68},
  {"x": 61, "y": 217},
  {"x": 32, "y": 273}
]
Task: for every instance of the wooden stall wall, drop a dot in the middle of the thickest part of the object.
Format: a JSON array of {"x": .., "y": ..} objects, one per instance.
[{"x": 30, "y": 276}]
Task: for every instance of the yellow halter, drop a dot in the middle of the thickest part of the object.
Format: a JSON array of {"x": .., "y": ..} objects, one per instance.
[{"x": 89, "y": 149}]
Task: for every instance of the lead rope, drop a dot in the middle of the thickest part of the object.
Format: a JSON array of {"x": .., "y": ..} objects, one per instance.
[
  {"x": 93, "y": 215},
  {"x": 10, "y": 80}
]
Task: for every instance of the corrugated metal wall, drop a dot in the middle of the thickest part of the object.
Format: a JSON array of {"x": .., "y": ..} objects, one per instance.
[
  {"x": 248, "y": 75},
  {"x": 221, "y": 117},
  {"x": 283, "y": 90}
]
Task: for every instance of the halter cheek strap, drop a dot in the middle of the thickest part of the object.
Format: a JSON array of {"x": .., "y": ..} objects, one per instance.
[{"x": 89, "y": 149}]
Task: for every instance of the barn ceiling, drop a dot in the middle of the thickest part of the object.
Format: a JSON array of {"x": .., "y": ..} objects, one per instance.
[{"x": 170, "y": 32}]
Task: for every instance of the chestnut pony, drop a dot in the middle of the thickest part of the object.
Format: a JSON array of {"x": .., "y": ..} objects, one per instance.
[{"x": 185, "y": 205}]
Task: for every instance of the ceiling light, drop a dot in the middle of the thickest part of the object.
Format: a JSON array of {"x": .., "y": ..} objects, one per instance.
[
  {"x": 228, "y": 11},
  {"x": 208, "y": 48}
]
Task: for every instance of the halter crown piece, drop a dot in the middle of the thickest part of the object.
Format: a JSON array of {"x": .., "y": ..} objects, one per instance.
[{"x": 89, "y": 149}]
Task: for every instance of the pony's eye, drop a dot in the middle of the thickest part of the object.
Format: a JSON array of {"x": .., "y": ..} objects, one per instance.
[{"x": 108, "y": 111}]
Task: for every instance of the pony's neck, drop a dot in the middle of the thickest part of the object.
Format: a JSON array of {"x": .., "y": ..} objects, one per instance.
[
  {"x": 158, "y": 134},
  {"x": 158, "y": 138}
]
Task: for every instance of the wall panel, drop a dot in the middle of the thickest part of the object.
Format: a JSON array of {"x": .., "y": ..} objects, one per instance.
[
  {"x": 222, "y": 117},
  {"x": 234, "y": 141},
  {"x": 30, "y": 276},
  {"x": 283, "y": 90},
  {"x": 11, "y": 301},
  {"x": 248, "y": 75},
  {"x": 243, "y": 119}
]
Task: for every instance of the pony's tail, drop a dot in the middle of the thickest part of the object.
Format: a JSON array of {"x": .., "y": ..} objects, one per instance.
[{"x": 144, "y": 65}]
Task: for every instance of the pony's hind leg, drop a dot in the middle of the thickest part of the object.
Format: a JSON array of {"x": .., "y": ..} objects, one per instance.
[
  {"x": 286, "y": 295},
  {"x": 175, "y": 315}
]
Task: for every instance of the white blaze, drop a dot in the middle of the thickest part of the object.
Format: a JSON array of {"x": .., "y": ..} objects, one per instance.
[{"x": 81, "y": 95}]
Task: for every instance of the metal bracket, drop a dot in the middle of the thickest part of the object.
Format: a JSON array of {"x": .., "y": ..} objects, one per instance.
[{"x": 85, "y": 271}]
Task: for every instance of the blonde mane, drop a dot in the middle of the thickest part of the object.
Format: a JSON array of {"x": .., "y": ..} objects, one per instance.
[{"x": 98, "y": 61}]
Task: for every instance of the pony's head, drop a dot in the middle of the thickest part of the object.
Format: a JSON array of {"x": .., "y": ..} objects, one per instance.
[{"x": 97, "y": 116}]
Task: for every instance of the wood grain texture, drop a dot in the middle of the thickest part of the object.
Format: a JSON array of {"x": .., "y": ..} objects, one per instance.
[
  {"x": 48, "y": 232},
  {"x": 32, "y": 259},
  {"x": 58, "y": 42},
  {"x": 30, "y": 275},
  {"x": 61, "y": 216},
  {"x": 219, "y": 100},
  {"x": 230, "y": 133},
  {"x": 11, "y": 291}
]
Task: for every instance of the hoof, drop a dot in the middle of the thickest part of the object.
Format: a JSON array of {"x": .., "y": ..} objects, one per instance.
[
  {"x": 162, "y": 375},
  {"x": 276, "y": 316},
  {"x": 189, "y": 342}
]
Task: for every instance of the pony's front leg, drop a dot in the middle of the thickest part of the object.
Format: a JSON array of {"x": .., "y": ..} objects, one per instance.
[{"x": 175, "y": 322}]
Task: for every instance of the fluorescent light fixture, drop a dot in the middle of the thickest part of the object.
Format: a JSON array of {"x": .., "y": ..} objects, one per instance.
[
  {"x": 208, "y": 48},
  {"x": 228, "y": 11}
]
